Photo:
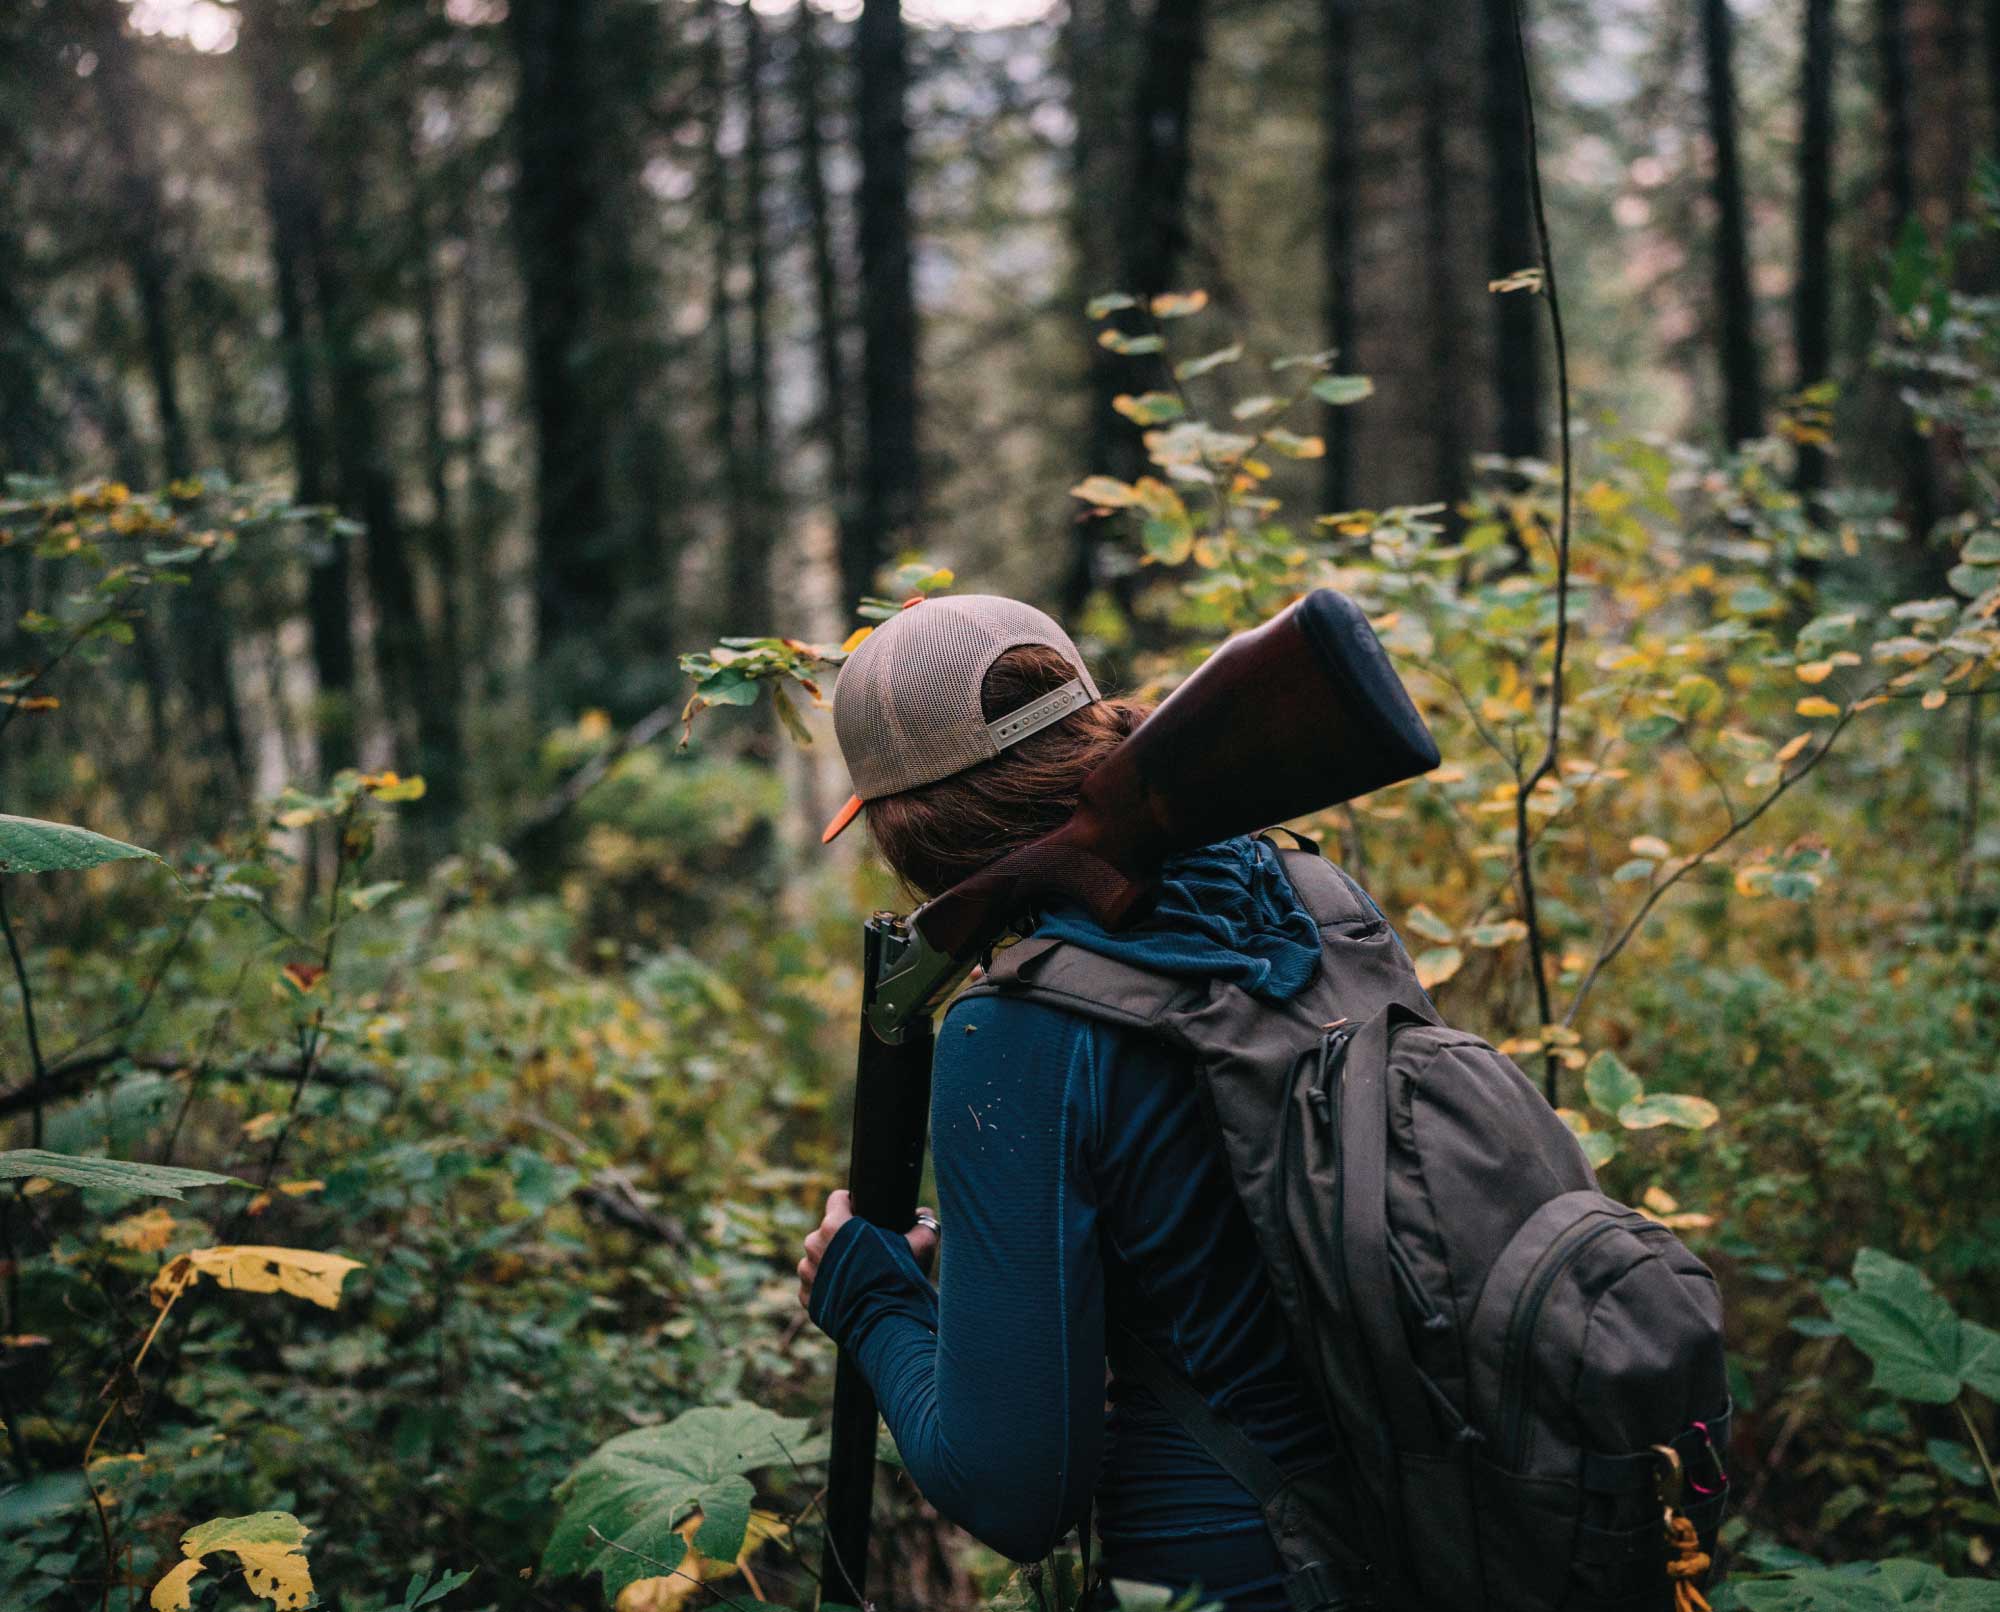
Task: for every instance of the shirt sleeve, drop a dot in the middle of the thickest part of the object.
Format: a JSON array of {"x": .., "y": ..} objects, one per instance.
[{"x": 993, "y": 1383}]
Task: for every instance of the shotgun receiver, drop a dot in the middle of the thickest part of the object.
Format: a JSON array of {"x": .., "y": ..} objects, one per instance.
[
  {"x": 1291, "y": 717},
  {"x": 1297, "y": 715}
]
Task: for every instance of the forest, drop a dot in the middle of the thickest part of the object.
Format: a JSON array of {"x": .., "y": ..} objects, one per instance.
[{"x": 451, "y": 447}]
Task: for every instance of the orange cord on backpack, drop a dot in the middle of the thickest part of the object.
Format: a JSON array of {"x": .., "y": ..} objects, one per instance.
[{"x": 1688, "y": 1564}]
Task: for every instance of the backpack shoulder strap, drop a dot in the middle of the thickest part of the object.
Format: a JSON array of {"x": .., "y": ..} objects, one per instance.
[{"x": 1075, "y": 978}]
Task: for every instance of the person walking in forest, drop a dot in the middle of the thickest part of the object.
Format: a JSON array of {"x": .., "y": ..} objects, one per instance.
[
  {"x": 1376, "y": 1339},
  {"x": 1084, "y": 1196}
]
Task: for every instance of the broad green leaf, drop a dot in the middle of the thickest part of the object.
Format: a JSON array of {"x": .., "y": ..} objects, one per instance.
[
  {"x": 29, "y": 845},
  {"x": 22, "y": 1505},
  {"x": 1669, "y": 1108},
  {"x": 108, "y": 1175},
  {"x": 1609, "y": 1084},
  {"x": 637, "y": 1490},
  {"x": 1341, "y": 390},
  {"x": 1896, "y": 1585},
  {"x": 1922, "y": 1349}
]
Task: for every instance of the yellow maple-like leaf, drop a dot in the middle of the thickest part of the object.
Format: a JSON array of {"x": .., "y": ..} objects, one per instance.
[
  {"x": 304, "y": 1273},
  {"x": 171, "y": 1593}
]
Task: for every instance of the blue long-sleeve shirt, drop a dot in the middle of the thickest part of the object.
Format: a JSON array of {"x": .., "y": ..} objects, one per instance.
[{"x": 1078, "y": 1183}]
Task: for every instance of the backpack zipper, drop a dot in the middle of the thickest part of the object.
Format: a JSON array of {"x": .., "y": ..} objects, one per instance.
[
  {"x": 1517, "y": 1373},
  {"x": 1429, "y": 1316}
]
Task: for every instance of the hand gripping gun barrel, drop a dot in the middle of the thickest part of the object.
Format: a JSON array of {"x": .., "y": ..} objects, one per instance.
[{"x": 1300, "y": 714}]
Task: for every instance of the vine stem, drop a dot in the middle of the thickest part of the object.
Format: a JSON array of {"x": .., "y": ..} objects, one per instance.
[
  {"x": 1525, "y": 785},
  {"x": 27, "y": 1011},
  {"x": 1979, "y": 1444}
]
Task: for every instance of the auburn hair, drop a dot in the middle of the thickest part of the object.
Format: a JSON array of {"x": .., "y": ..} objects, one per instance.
[{"x": 939, "y": 833}]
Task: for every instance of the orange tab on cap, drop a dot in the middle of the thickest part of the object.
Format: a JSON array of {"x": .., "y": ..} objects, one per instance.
[{"x": 840, "y": 819}]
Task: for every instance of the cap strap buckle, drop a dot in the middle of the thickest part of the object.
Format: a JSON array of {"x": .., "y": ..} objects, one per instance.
[{"x": 1039, "y": 714}]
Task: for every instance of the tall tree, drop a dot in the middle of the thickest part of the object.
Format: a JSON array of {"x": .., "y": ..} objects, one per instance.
[
  {"x": 808, "y": 92},
  {"x": 556, "y": 197},
  {"x": 1153, "y": 229},
  {"x": 1510, "y": 241},
  {"x": 1899, "y": 184},
  {"x": 740, "y": 599},
  {"x": 1444, "y": 338},
  {"x": 1812, "y": 298},
  {"x": 890, "y": 485},
  {"x": 1340, "y": 180},
  {"x": 1098, "y": 60},
  {"x": 297, "y": 230},
  {"x": 750, "y": 559},
  {"x": 1742, "y": 386},
  {"x": 201, "y": 621}
]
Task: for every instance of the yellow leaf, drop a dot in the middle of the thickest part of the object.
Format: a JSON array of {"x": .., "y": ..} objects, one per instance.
[
  {"x": 171, "y": 1593},
  {"x": 1814, "y": 671},
  {"x": 298, "y": 1189},
  {"x": 1106, "y": 491},
  {"x": 147, "y": 1232},
  {"x": 1935, "y": 698},
  {"x": 1660, "y": 1201},
  {"x": 258, "y": 1126},
  {"x": 1651, "y": 845},
  {"x": 1793, "y": 746},
  {"x": 269, "y": 1544},
  {"x": 251, "y": 1268},
  {"x": 853, "y": 640},
  {"x": 1814, "y": 705}
]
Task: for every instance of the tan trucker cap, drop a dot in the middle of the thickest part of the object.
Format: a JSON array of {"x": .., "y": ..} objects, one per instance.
[{"x": 906, "y": 708}]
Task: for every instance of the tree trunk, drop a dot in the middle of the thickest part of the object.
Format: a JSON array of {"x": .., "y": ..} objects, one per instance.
[
  {"x": 1340, "y": 177},
  {"x": 1742, "y": 390},
  {"x": 1152, "y": 236},
  {"x": 750, "y": 553},
  {"x": 291, "y": 198},
  {"x": 444, "y": 665},
  {"x": 726, "y": 364},
  {"x": 555, "y": 214},
  {"x": 1812, "y": 298},
  {"x": 888, "y": 495},
  {"x": 1098, "y": 38},
  {"x": 1517, "y": 374},
  {"x": 1993, "y": 64},
  {"x": 1899, "y": 182},
  {"x": 485, "y": 504},
  {"x": 857, "y": 566},
  {"x": 1444, "y": 341},
  {"x": 200, "y": 620}
]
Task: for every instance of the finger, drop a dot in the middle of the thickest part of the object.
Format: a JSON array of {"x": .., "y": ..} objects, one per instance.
[
  {"x": 807, "y": 1270},
  {"x": 923, "y": 1245},
  {"x": 840, "y": 1205},
  {"x": 817, "y": 1239}
]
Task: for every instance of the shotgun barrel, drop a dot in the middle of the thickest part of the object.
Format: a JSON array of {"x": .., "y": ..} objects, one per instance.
[{"x": 892, "y": 1110}]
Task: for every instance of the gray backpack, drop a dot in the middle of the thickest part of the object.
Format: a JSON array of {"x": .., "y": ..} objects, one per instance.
[{"x": 1516, "y": 1370}]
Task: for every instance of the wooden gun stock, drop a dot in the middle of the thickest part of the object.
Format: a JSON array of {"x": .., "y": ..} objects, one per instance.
[{"x": 1292, "y": 717}]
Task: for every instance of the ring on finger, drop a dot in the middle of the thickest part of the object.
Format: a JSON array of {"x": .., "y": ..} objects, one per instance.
[{"x": 929, "y": 1222}]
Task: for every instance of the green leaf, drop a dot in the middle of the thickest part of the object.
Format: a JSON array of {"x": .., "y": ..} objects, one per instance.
[
  {"x": 1640, "y": 867},
  {"x": 1982, "y": 548},
  {"x": 1650, "y": 729},
  {"x": 636, "y": 1491},
  {"x": 1669, "y": 1108},
  {"x": 1149, "y": 408},
  {"x": 22, "y": 1505},
  {"x": 1189, "y": 368},
  {"x": 108, "y": 1175},
  {"x": 1955, "y": 1461},
  {"x": 1131, "y": 346},
  {"x": 1896, "y": 1585},
  {"x": 373, "y": 895},
  {"x": 1922, "y": 1349},
  {"x": 1609, "y": 1084},
  {"x": 1428, "y": 924},
  {"x": 1109, "y": 302},
  {"x": 29, "y": 845},
  {"x": 1496, "y": 934},
  {"x": 1341, "y": 390}
]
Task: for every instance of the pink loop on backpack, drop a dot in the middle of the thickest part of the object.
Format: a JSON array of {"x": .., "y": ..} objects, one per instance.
[{"x": 1708, "y": 1441}]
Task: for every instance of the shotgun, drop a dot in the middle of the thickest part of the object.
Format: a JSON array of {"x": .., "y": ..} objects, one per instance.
[{"x": 1302, "y": 713}]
